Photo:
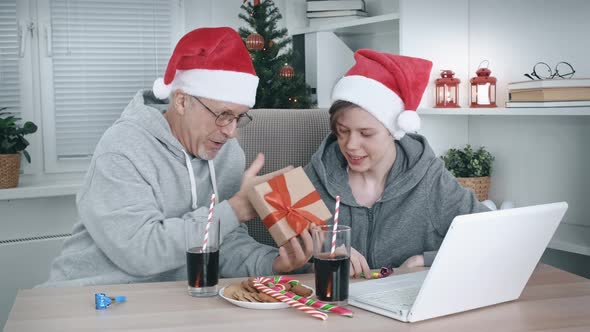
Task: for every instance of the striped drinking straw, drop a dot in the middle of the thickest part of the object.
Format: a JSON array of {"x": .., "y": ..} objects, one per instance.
[
  {"x": 209, "y": 217},
  {"x": 336, "y": 210}
]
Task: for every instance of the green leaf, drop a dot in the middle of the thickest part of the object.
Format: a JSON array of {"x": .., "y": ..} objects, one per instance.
[
  {"x": 12, "y": 134},
  {"x": 467, "y": 162},
  {"x": 27, "y": 156}
]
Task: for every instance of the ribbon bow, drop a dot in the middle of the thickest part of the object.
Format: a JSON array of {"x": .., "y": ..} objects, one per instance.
[{"x": 280, "y": 199}]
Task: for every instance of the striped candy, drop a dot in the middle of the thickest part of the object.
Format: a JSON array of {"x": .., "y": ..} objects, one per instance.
[
  {"x": 259, "y": 284},
  {"x": 277, "y": 283}
]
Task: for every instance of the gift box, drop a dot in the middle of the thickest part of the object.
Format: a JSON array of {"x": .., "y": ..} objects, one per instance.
[{"x": 287, "y": 204}]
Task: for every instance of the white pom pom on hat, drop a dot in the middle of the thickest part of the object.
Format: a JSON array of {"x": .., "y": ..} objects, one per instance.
[
  {"x": 212, "y": 63},
  {"x": 160, "y": 89},
  {"x": 408, "y": 121},
  {"x": 388, "y": 86}
]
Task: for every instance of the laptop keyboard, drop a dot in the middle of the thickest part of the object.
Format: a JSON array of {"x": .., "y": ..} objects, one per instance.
[
  {"x": 400, "y": 298},
  {"x": 395, "y": 294}
]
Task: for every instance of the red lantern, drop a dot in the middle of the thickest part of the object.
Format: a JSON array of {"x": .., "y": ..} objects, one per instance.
[
  {"x": 287, "y": 72},
  {"x": 254, "y": 42},
  {"x": 447, "y": 92},
  {"x": 483, "y": 89}
]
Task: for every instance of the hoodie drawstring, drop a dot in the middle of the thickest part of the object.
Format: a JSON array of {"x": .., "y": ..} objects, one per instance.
[
  {"x": 191, "y": 176},
  {"x": 213, "y": 180}
]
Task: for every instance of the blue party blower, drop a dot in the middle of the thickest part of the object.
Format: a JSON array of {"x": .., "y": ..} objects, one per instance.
[{"x": 101, "y": 301}]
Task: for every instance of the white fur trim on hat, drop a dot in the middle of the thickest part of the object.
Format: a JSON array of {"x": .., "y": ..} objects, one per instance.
[
  {"x": 222, "y": 85},
  {"x": 373, "y": 96}
]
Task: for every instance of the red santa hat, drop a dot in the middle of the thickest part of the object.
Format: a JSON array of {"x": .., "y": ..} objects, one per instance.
[
  {"x": 388, "y": 86},
  {"x": 212, "y": 63}
]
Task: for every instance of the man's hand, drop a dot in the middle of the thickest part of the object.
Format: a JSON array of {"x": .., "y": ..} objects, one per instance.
[
  {"x": 293, "y": 255},
  {"x": 414, "y": 261},
  {"x": 239, "y": 202},
  {"x": 358, "y": 264}
]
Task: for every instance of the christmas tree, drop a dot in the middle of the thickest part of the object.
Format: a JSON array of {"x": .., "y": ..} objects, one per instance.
[{"x": 280, "y": 86}]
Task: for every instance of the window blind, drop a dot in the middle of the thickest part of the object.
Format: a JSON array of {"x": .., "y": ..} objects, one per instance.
[
  {"x": 9, "y": 57},
  {"x": 103, "y": 52}
]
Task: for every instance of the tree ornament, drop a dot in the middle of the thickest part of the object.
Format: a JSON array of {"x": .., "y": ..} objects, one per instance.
[
  {"x": 255, "y": 42},
  {"x": 255, "y": 3},
  {"x": 269, "y": 54},
  {"x": 287, "y": 71}
]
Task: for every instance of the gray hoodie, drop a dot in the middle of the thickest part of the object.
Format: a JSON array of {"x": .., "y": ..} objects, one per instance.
[
  {"x": 135, "y": 197},
  {"x": 419, "y": 201}
]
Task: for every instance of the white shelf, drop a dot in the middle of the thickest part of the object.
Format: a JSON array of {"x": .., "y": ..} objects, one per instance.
[
  {"x": 368, "y": 24},
  {"x": 572, "y": 238},
  {"x": 560, "y": 111},
  {"x": 44, "y": 186}
]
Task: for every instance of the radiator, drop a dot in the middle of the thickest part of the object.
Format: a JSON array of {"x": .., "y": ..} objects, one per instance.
[{"x": 24, "y": 263}]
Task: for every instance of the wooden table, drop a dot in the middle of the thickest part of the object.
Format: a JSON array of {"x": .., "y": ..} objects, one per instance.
[{"x": 553, "y": 300}]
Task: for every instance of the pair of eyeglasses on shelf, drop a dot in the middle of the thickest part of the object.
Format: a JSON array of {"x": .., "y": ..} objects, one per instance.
[
  {"x": 225, "y": 118},
  {"x": 542, "y": 71}
]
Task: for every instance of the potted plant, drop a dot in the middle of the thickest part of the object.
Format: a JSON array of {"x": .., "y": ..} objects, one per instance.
[
  {"x": 12, "y": 142},
  {"x": 472, "y": 168}
]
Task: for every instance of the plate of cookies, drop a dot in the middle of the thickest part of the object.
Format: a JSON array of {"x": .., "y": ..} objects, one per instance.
[{"x": 244, "y": 295}]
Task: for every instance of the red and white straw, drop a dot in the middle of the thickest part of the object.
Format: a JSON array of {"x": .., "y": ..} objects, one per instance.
[
  {"x": 336, "y": 210},
  {"x": 258, "y": 283},
  {"x": 209, "y": 217}
]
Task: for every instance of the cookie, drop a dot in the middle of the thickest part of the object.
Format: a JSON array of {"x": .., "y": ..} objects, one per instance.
[
  {"x": 248, "y": 286},
  {"x": 251, "y": 297},
  {"x": 230, "y": 290},
  {"x": 239, "y": 295},
  {"x": 301, "y": 290},
  {"x": 267, "y": 298}
]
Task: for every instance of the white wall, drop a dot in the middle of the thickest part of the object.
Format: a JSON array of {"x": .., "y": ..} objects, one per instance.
[
  {"x": 538, "y": 158},
  {"x": 512, "y": 35},
  {"x": 199, "y": 13}
]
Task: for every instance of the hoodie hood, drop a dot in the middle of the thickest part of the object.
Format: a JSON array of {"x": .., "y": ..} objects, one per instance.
[
  {"x": 413, "y": 158},
  {"x": 418, "y": 204},
  {"x": 145, "y": 111}
]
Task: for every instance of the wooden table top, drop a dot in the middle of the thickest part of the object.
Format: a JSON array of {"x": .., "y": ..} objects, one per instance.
[{"x": 553, "y": 300}]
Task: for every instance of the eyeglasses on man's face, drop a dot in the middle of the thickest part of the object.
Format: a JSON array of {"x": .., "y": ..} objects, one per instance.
[
  {"x": 542, "y": 71},
  {"x": 225, "y": 118}
]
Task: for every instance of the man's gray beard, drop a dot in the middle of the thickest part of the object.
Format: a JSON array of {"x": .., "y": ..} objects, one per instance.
[{"x": 204, "y": 155}]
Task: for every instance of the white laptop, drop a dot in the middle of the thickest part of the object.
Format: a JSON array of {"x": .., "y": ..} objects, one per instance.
[{"x": 485, "y": 258}]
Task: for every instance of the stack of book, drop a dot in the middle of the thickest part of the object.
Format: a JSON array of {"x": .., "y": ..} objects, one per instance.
[
  {"x": 321, "y": 12},
  {"x": 550, "y": 93}
]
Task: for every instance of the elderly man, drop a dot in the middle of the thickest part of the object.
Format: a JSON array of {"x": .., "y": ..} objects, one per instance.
[{"x": 157, "y": 166}]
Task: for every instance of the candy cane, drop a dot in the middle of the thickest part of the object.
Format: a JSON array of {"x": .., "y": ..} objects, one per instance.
[{"x": 259, "y": 285}]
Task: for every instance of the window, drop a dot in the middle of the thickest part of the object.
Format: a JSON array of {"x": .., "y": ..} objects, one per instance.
[
  {"x": 11, "y": 40},
  {"x": 87, "y": 59},
  {"x": 97, "y": 55},
  {"x": 16, "y": 83}
]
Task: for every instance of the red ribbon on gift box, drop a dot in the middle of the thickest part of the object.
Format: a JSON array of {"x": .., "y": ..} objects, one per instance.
[{"x": 280, "y": 199}]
